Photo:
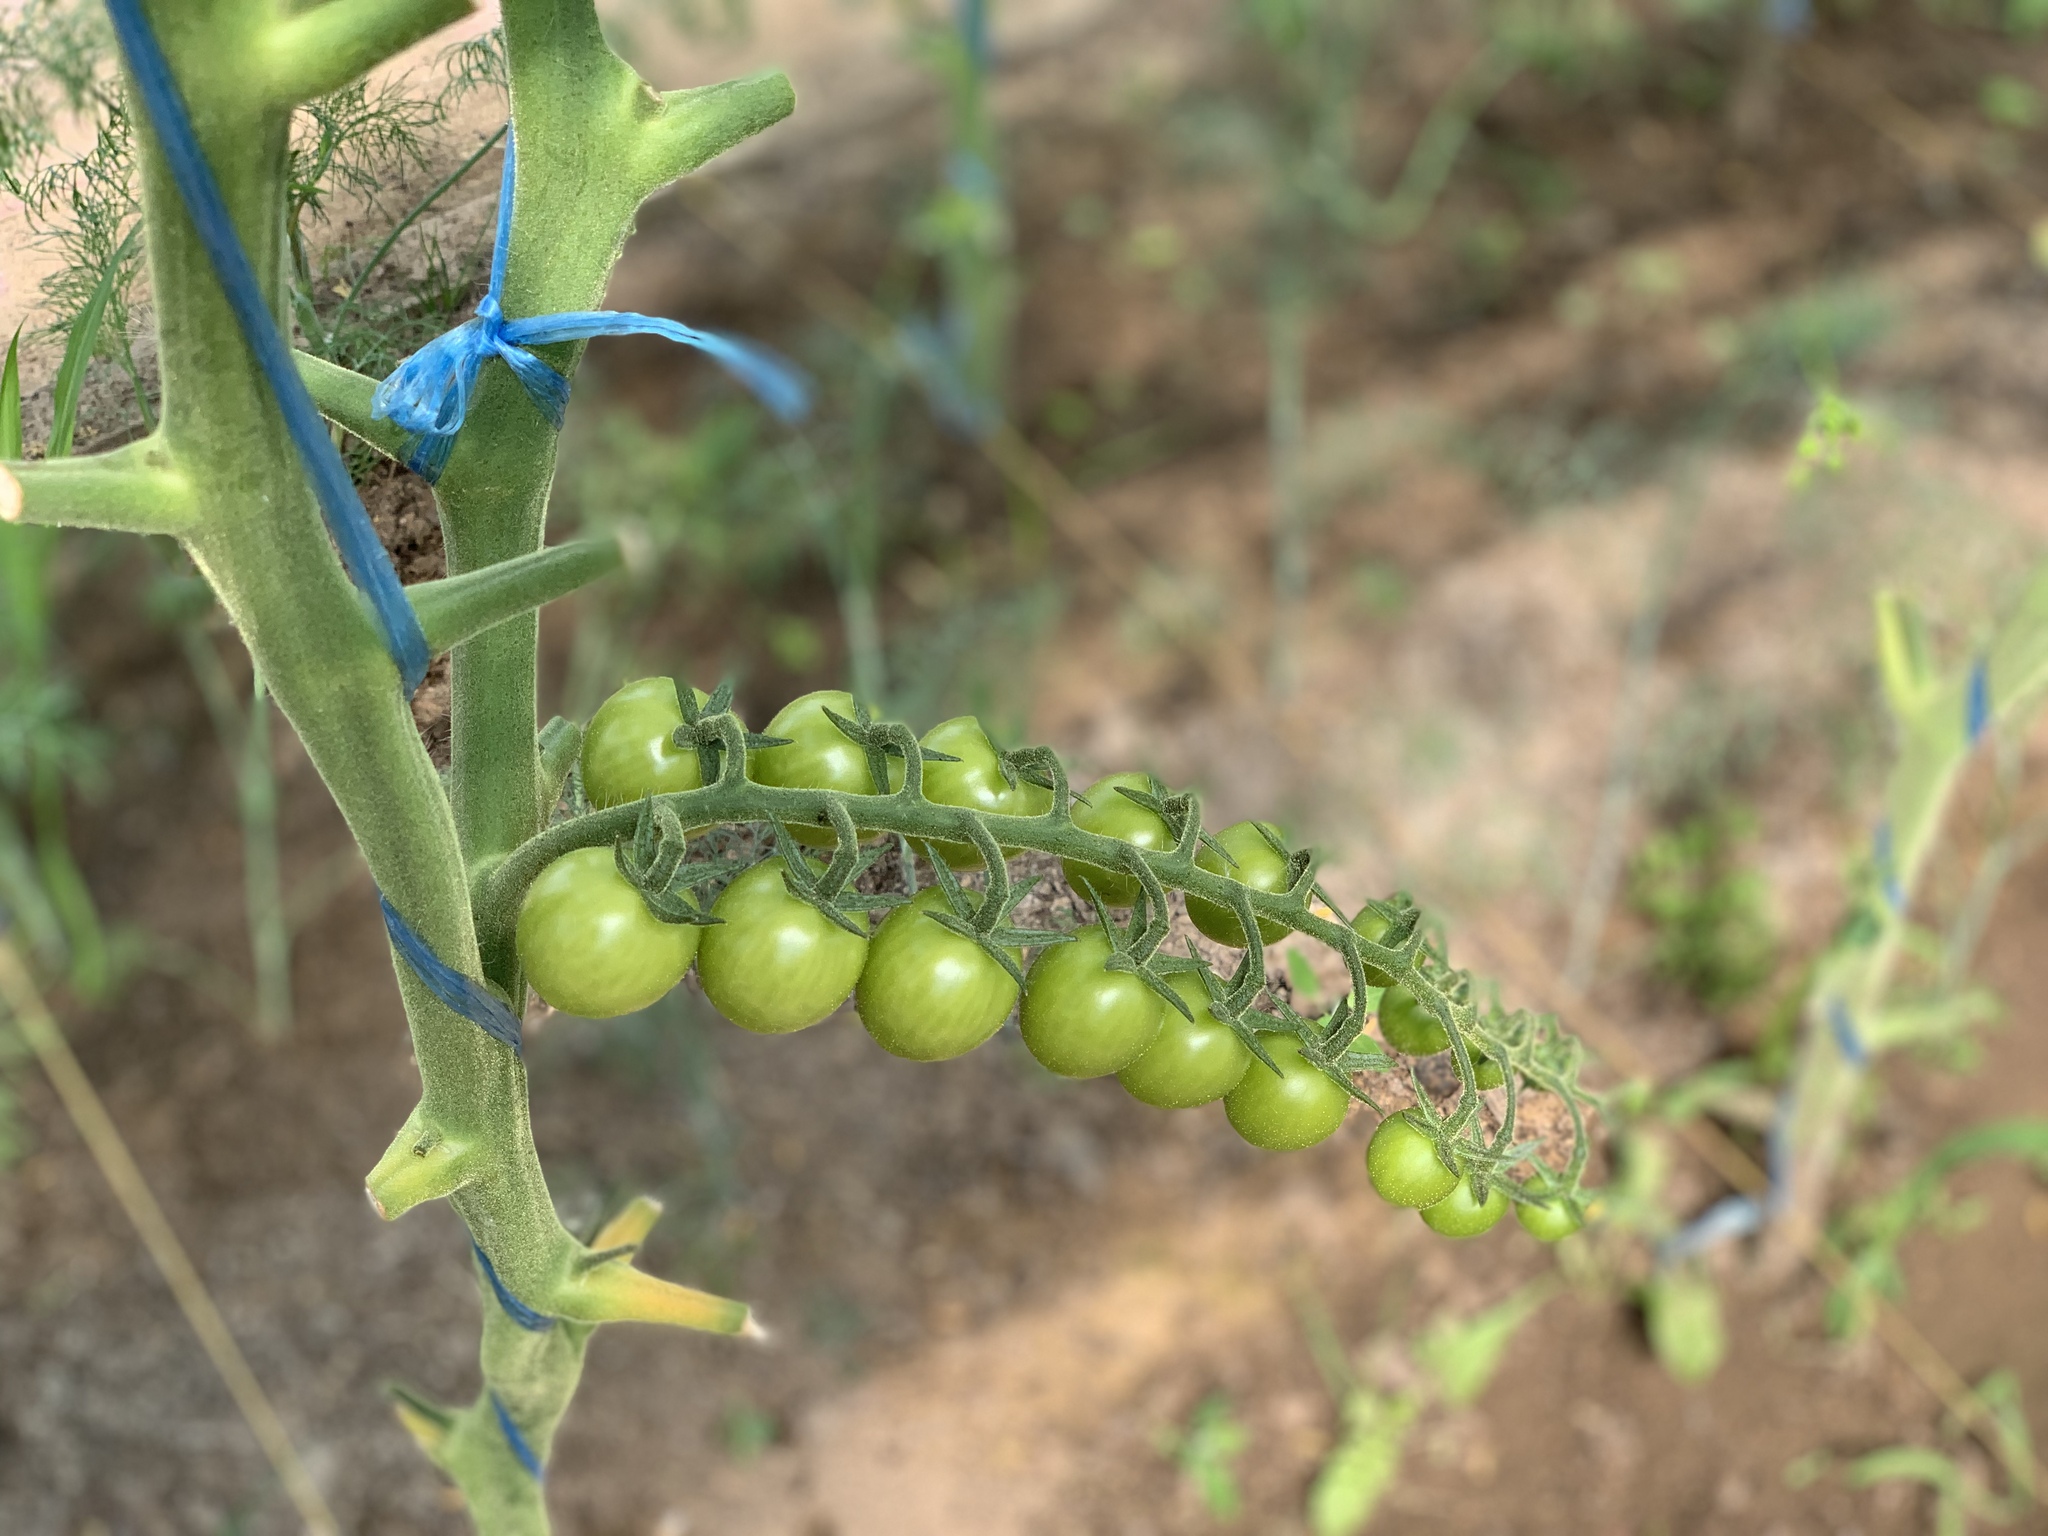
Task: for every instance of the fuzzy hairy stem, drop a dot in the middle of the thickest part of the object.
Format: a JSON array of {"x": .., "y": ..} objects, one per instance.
[
  {"x": 324, "y": 47},
  {"x": 136, "y": 489},
  {"x": 343, "y": 396},
  {"x": 222, "y": 474}
]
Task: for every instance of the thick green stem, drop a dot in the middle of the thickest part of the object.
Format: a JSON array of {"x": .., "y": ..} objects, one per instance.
[{"x": 258, "y": 537}]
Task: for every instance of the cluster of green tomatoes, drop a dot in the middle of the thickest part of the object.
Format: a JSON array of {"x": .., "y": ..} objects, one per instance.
[{"x": 775, "y": 957}]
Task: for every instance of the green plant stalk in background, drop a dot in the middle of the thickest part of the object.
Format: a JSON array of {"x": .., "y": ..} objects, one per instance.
[
  {"x": 1853, "y": 982},
  {"x": 1316, "y": 195}
]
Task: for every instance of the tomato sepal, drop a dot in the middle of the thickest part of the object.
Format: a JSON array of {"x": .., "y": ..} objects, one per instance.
[
  {"x": 832, "y": 892},
  {"x": 652, "y": 861},
  {"x": 981, "y": 919}
]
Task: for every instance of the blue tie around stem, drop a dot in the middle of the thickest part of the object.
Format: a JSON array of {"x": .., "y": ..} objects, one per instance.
[
  {"x": 1977, "y": 702},
  {"x": 512, "y": 1306},
  {"x": 515, "y": 1441},
  {"x": 428, "y": 394},
  {"x": 462, "y": 994},
  {"x": 362, "y": 553},
  {"x": 971, "y": 17}
]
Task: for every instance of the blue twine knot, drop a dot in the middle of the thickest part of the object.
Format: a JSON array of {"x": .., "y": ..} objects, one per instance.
[
  {"x": 453, "y": 990},
  {"x": 428, "y": 394},
  {"x": 516, "y": 1442}
]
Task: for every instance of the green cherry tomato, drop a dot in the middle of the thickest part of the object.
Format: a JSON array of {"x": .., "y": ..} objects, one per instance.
[
  {"x": 1285, "y": 1111},
  {"x": 1549, "y": 1222},
  {"x": 588, "y": 944},
  {"x": 1487, "y": 1073},
  {"x": 1257, "y": 865},
  {"x": 775, "y": 963},
  {"x": 818, "y": 756},
  {"x": 1409, "y": 1027},
  {"x": 629, "y": 748},
  {"x": 1110, "y": 814},
  {"x": 1193, "y": 1061},
  {"x": 928, "y": 994},
  {"x": 1403, "y": 1165},
  {"x": 1459, "y": 1215},
  {"x": 975, "y": 782},
  {"x": 1371, "y": 926},
  {"x": 1081, "y": 1020}
]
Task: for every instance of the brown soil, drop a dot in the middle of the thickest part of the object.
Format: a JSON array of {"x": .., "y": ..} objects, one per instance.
[{"x": 993, "y": 1291}]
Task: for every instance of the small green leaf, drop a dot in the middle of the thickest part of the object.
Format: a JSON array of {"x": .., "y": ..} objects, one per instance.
[
  {"x": 1207, "y": 1452},
  {"x": 1904, "y": 659},
  {"x": 78, "y": 350},
  {"x": 1683, "y": 1311},
  {"x": 1357, "y": 1474},
  {"x": 1463, "y": 1353},
  {"x": 10, "y": 400}
]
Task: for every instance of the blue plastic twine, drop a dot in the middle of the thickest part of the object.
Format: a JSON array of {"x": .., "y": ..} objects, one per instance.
[
  {"x": 428, "y": 394},
  {"x": 521, "y": 1451},
  {"x": 1740, "y": 1215},
  {"x": 362, "y": 553},
  {"x": 1847, "y": 1040},
  {"x": 1977, "y": 702},
  {"x": 971, "y": 16},
  {"x": 1887, "y": 873},
  {"x": 463, "y": 994},
  {"x": 512, "y": 1306}
]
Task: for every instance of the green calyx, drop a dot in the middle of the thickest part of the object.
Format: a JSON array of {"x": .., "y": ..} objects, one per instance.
[
  {"x": 985, "y": 918},
  {"x": 652, "y": 861}
]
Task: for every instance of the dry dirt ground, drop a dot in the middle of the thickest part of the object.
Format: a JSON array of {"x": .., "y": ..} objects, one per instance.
[{"x": 994, "y": 1292}]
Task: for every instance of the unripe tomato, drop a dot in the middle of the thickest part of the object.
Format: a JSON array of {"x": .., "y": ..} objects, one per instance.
[
  {"x": 1487, "y": 1073},
  {"x": 1459, "y": 1215},
  {"x": 1193, "y": 1061},
  {"x": 775, "y": 963},
  {"x": 1403, "y": 1165},
  {"x": 1370, "y": 925},
  {"x": 1081, "y": 1020},
  {"x": 975, "y": 782},
  {"x": 818, "y": 756},
  {"x": 629, "y": 748},
  {"x": 588, "y": 944},
  {"x": 1110, "y": 814},
  {"x": 928, "y": 994},
  {"x": 1257, "y": 866},
  {"x": 1550, "y": 1222},
  {"x": 1285, "y": 1111},
  {"x": 1409, "y": 1027}
]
